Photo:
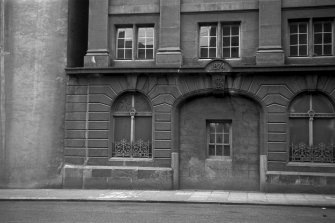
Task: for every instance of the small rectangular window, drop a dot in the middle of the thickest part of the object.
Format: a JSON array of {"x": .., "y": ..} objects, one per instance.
[
  {"x": 299, "y": 39},
  {"x": 323, "y": 38},
  {"x": 230, "y": 40},
  {"x": 219, "y": 138},
  {"x": 208, "y": 41}
]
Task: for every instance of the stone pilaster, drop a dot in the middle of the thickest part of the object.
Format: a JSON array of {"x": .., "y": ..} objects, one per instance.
[
  {"x": 169, "y": 52},
  {"x": 97, "y": 50},
  {"x": 270, "y": 50}
]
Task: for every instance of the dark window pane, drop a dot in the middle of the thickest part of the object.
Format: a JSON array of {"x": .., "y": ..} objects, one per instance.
[
  {"x": 212, "y": 52},
  {"x": 121, "y": 128},
  {"x": 235, "y": 30},
  {"x": 123, "y": 103},
  {"x": 294, "y": 39},
  {"x": 327, "y": 27},
  {"x": 327, "y": 38},
  {"x": 226, "y": 52},
  {"x": 141, "y": 104},
  {"x": 219, "y": 138},
  {"x": 129, "y": 43},
  {"x": 143, "y": 128},
  {"x": 317, "y": 50},
  {"x": 226, "y": 30},
  {"x": 150, "y": 54},
  {"x": 226, "y": 151},
  {"x": 300, "y": 104},
  {"x": 299, "y": 130},
  {"x": 226, "y": 127},
  {"x": 324, "y": 131},
  {"x": 322, "y": 104},
  {"x": 327, "y": 50},
  {"x": 141, "y": 54},
  {"x": 120, "y": 54},
  {"x": 212, "y": 42},
  {"x": 303, "y": 39},
  {"x": 318, "y": 27},
  {"x": 128, "y": 54},
  {"x": 141, "y": 43},
  {"x": 318, "y": 38},
  {"x": 120, "y": 43},
  {"x": 303, "y": 28},
  {"x": 204, "y": 53},
  {"x": 294, "y": 51},
  {"x": 211, "y": 150},
  {"x": 235, "y": 41},
  {"x": 212, "y": 127},
  {"x": 293, "y": 28},
  {"x": 219, "y": 150},
  {"x": 212, "y": 31},
  {"x": 121, "y": 33},
  {"x": 226, "y": 41},
  {"x": 211, "y": 138},
  {"x": 226, "y": 138},
  {"x": 234, "y": 52},
  {"x": 303, "y": 50}
]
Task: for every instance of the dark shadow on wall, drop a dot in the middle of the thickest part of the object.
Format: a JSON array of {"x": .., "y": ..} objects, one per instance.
[{"x": 77, "y": 32}]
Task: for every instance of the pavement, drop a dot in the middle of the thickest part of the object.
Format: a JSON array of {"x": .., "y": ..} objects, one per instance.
[{"x": 170, "y": 196}]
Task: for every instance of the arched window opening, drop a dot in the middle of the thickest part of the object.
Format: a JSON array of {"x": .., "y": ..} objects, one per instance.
[
  {"x": 312, "y": 129},
  {"x": 132, "y": 127}
]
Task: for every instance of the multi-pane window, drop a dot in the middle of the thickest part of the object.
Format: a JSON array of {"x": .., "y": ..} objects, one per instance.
[
  {"x": 208, "y": 41},
  {"x": 132, "y": 119},
  {"x": 312, "y": 129},
  {"x": 145, "y": 43},
  {"x": 219, "y": 138},
  {"x": 124, "y": 44},
  {"x": 230, "y": 41},
  {"x": 323, "y": 38},
  {"x": 311, "y": 38},
  {"x": 219, "y": 41},
  {"x": 299, "y": 39},
  {"x": 144, "y": 37}
]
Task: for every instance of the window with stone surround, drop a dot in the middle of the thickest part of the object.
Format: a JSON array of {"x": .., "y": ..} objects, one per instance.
[
  {"x": 312, "y": 128},
  {"x": 219, "y": 41},
  {"x": 311, "y": 37},
  {"x": 132, "y": 124},
  {"x": 135, "y": 43},
  {"x": 219, "y": 138}
]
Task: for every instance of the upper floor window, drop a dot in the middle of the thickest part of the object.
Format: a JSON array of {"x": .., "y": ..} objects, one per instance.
[
  {"x": 219, "y": 138},
  {"x": 144, "y": 37},
  {"x": 219, "y": 41},
  {"x": 311, "y": 38},
  {"x": 132, "y": 122},
  {"x": 312, "y": 129}
]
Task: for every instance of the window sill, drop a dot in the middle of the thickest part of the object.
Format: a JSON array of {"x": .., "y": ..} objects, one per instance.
[
  {"x": 219, "y": 158},
  {"x": 131, "y": 159},
  {"x": 332, "y": 165}
]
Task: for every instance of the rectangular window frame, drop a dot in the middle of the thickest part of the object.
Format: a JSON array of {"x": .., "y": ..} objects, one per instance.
[
  {"x": 223, "y": 144},
  {"x": 219, "y": 40},
  {"x": 317, "y": 21},
  {"x": 135, "y": 42},
  {"x": 310, "y": 37},
  {"x": 208, "y": 48},
  {"x": 298, "y": 33}
]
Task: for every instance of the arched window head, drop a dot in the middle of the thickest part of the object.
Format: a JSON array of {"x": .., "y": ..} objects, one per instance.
[
  {"x": 132, "y": 121},
  {"x": 312, "y": 128}
]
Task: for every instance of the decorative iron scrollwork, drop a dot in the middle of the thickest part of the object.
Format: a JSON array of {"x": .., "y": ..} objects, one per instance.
[
  {"x": 320, "y": 153},
  {"x": 138, "y": 149}
]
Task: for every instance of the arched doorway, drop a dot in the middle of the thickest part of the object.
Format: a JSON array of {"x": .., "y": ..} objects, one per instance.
[{"x": 219, "y": 143}]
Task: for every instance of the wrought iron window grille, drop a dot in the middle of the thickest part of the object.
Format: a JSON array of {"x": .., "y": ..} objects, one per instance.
[
  {"x": 137, "y": 149},
  {"x": 320, "y": 153}
]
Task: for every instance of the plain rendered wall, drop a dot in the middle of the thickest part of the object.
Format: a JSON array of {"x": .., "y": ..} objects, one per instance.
[{"x": 36, "y": 38}]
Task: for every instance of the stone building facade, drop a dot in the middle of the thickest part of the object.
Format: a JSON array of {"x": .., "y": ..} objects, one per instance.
[
  {"x": 204, "y": 95},
  {"x": 168, "y": 94}
]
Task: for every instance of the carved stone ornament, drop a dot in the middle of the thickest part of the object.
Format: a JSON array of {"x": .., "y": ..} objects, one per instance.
[
  {"x": 219, "y": 81},
  {"x": 218, "y": 66}
]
